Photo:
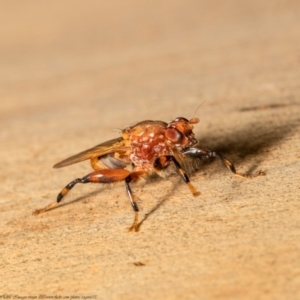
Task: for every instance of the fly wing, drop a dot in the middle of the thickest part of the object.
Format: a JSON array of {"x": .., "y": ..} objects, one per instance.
[{"x": 115, "y": 145}]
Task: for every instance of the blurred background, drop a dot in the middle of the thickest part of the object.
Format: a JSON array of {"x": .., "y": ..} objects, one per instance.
[
  {"x": 87, "y": 59},
  {"x": 73, "y": 73}
]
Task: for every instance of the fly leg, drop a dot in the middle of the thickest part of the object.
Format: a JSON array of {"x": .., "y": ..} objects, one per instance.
[
  {"x": 185, "y": 177},
  {"x": 134, "y": 176},
  {"x": 201, "y": 153},
  {"x": 101, "y": 176}
]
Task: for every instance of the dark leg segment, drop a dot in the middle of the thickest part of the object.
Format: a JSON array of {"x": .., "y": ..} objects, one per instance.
[
  {"x": 201, "y": 153},
  {"x": 130, "y": 194},
  {"x": 134, "y": 176},
  {"x": 133, "y": 204},
  {"x": 70, "y": 186},
  {"x": 185, "y": 177}
]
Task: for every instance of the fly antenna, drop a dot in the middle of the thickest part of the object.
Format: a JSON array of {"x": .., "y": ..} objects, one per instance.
[
  {"x": 194, "y": 116},
  {"x": 194, "y": 119}
]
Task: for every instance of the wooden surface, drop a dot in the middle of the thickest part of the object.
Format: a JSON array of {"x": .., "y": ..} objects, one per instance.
[{"x": 74, "y": 72}]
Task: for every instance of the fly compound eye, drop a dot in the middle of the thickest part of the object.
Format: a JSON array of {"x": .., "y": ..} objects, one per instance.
[{"x": 174, "y": 135}]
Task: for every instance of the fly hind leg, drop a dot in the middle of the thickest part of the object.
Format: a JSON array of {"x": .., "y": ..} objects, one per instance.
[{"x": 101, "y": 176}]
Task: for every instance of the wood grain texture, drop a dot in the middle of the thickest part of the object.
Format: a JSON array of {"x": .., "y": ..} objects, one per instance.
[{"x": 74, "y": 74}]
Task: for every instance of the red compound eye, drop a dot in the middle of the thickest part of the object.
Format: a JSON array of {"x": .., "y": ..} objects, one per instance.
[{"x": 174, "y": 135}]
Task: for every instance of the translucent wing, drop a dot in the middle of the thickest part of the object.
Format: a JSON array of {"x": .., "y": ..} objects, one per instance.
[{"x": 115, "y": 145}]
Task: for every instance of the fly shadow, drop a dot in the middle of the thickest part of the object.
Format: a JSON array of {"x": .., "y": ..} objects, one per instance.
[{"x": 253, "y": 140}]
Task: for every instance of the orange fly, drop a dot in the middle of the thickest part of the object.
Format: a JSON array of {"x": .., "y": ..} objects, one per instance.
[{"x": 147, "y": 147}]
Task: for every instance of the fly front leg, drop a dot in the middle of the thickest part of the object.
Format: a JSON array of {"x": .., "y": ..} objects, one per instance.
[
  {"x": 185, "y": 177},
  {"x": 201, "y": 153},
  {"x": 101, "y": 176}
]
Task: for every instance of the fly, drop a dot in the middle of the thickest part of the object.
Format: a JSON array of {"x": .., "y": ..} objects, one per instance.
[{"x": 147, "y": 147}]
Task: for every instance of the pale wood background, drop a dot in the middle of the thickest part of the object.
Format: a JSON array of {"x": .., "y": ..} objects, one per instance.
[{"x": 74, "y": 72}]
